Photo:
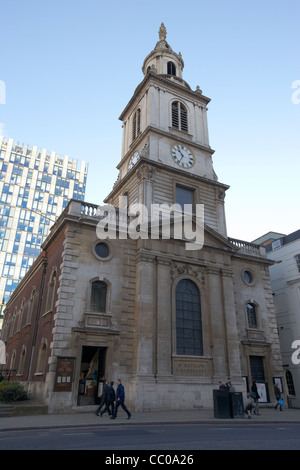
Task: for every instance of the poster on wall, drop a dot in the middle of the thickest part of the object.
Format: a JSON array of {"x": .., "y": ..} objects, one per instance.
[
  {"x": 64, "y": 374},
  {"x": 261, "y": 389}
]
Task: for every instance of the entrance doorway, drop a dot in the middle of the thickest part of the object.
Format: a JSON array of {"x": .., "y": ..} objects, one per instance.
[
  {"x": 258, "y": 374},
  {"x": 92, "y": 374}
]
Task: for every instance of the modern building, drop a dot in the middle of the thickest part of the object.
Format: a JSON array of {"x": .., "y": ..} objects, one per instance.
[
  {"x": 284, "y": 250},
  {"x": 35, "y": 187},
  {"x": 169, "y": 313}
]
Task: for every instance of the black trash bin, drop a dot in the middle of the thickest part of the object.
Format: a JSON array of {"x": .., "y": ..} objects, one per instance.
[
  {"x": 236, "y": 404},
  {"x": 222, "y": 407}
]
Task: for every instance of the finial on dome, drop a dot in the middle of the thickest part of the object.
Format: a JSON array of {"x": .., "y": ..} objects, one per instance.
[{"x": 162, "y": 32}]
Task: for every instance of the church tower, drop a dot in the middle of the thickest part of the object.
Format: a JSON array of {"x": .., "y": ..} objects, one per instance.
[
  {"x": 171, "y": 322},
  {"x": 165, "y": 142}
]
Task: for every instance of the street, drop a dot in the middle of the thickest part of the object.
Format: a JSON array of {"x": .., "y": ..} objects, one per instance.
[{"x": 173, "y": 437}]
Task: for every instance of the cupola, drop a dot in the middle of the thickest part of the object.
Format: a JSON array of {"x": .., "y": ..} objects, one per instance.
[{"x": 163, "y": 60}]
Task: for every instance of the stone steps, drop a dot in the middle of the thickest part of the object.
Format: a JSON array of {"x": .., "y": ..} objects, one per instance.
[{"x": 6, "y": 410}]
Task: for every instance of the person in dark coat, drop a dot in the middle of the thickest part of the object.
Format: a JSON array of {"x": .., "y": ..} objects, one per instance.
[
  {"x": 120, "y": 400},
  {"x": 103, "y": 397},
  {"x": 222, "y": 386},
  {"x": 255, "y": 396},
  {"x": 110, "y": 400}
]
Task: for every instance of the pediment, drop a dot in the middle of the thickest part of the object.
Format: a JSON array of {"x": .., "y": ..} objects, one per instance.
[{"x": 215, "y": 239}]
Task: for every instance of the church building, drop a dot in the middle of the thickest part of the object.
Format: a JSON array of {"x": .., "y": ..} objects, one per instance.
[{"x": 169, "y": 317}]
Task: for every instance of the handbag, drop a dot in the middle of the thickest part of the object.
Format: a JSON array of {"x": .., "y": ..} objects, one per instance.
[
  {"x": 280, "y": 402},
  {"x": 253, "y": 395}
]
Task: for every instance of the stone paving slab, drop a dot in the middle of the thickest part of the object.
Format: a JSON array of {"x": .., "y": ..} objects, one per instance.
[{"x": 88, "y": 418}]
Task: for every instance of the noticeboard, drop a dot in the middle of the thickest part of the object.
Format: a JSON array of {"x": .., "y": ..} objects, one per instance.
[{"x": 64, "y": 374}]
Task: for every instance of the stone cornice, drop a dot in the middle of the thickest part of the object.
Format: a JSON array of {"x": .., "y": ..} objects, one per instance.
[
  {"x": 183, "y": 138},
  {"x": 162, "y": 166},
  {"x": 163, "y": 81}
]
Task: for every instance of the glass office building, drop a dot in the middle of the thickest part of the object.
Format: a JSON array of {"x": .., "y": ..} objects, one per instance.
[{"x": 35, "y": 187}]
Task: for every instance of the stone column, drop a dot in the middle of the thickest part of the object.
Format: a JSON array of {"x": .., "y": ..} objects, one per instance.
[
  {"x": 145, "y": 304},
  {"x": 163, "y": 319},
  {"x": 233, "y": 352},
  {"x": 217, "y": 320},
  {"x": 225, "y": 344}
]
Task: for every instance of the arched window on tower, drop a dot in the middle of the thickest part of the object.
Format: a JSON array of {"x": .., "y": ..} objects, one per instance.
[
  {"x": 98, "y": 297},
  {"x": 189, "y": 339},
  {"x": 171, "y": 68},
  {"x": 136, "y": 124},
  {"x": 179, "y": 116}
]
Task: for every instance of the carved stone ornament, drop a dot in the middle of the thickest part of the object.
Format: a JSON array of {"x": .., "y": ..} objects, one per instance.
[
  {"x": 162, "y": 32},
  {"x": 145, "y": 150},
  {"x": 181, "y": 269},
  {"x": 145, "y": 172}
]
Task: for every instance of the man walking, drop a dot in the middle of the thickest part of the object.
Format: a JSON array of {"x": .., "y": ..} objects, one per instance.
[
  {"x": 110, "y": 400},
  {"x": 120, "y": 399},
  {"x": 103, "y": 397}
]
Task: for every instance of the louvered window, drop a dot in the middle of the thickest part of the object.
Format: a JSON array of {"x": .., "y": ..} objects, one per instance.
[
  {"x": 179, "y": 116},
  {"x": 136, "y": 124}
]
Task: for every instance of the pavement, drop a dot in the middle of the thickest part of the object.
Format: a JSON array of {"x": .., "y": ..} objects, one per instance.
[{"x": 85, "y": 416}]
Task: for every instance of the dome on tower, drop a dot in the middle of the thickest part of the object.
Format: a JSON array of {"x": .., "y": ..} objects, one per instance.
[{"x": 163, "y": 60}]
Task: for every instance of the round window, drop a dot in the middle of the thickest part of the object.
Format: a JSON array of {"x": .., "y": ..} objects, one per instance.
[
  {"x": 248, "y": 277},
  {"x": 102, "y": 250}
]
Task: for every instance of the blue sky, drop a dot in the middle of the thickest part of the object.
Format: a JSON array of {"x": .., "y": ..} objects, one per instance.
[{"x": 70, "y": 67}]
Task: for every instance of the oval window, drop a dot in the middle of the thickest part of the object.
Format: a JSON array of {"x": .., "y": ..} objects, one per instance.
[
  {"x": 102, "y": 250},
  {"x": 248, "y": 277}
]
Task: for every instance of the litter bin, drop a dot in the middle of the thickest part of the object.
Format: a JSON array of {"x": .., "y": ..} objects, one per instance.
[
  {"x": 236, "y": 404},
  {"x": 222, "y": 407}
]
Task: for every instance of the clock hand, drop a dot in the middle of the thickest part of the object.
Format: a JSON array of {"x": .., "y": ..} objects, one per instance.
[{"x": 180, "y": 154}]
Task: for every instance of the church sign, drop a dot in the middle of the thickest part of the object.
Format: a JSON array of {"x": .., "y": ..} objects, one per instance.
[{"x": 64, "y": 374}]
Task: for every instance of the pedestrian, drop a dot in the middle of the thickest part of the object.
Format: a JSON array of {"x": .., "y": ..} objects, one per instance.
[
  {"x": 255, "y": 395},
  {"x": 222, "y": 386},
  {"x": 230, "y": 387},
  {"x": 103, "y": 397},
  {"x": 111, "y": 396},
  {"x": 249, "y": 407},
  {"x": 278, "y": 397},
  {"x": 120, "y": 400}
]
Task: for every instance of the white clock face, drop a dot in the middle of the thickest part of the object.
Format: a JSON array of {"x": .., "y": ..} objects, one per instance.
[
  {"x": 183, "y": 156},
  {"x": 133, "y": 159}
]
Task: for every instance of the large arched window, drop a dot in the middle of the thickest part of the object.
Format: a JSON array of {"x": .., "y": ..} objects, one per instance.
[
  {"x": 188, "y": 319},
  {"x": 179, "y": 116},
  {"x": 98, "y": 296}
]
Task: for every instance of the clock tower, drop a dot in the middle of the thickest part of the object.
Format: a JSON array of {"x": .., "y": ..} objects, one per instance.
[
  {"x": 166, "y": 156},
  {"x": 170, "y": 321}
]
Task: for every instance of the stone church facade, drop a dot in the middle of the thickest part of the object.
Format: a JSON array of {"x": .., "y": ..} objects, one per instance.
[{"x": 169, "y": 321}]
